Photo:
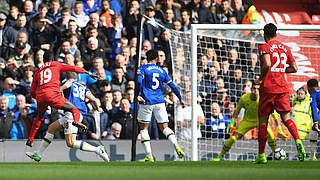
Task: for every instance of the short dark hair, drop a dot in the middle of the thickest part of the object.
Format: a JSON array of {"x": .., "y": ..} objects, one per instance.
[
  {"x": 270, "y": 30},
  {"x": 48, "y": 56},
  {"x": 152, "y": 55},
  {"x": 312, "y": 83}
]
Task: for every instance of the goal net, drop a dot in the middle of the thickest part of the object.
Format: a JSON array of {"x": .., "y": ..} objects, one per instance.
[{"x": 213, "y": 66}]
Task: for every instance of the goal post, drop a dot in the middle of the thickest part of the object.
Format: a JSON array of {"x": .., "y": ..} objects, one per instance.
[{"x": 190, "y": 42}]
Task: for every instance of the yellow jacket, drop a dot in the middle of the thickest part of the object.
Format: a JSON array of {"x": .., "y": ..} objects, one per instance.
[
  {"x": 302, "y": 114},
  {"x": 252, "y": 17}
]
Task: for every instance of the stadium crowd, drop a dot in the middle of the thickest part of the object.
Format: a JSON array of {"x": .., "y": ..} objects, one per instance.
[{"x": 101, "y": 36}]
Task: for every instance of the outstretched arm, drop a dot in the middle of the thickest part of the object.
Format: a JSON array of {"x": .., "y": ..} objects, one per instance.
[{"x": 177, "y": 93}]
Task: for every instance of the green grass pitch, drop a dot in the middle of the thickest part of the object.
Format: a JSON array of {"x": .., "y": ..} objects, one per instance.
[{"x": 308, "y": 170}]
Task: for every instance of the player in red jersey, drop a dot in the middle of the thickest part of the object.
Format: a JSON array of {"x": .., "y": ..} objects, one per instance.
[
  {"x": 276, "y": 60},
  {"x": 46, "y": 90}
]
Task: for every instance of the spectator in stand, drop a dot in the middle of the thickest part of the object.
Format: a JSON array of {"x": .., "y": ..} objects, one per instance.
[
  {"x": 146, "y": 46},
  {"x": 130, "y": 85},
  {"x": 79, "y": 15},
  {"x": 116, "y": 98},
  {"x": 43, "y": 37},
  {"x": 106, "y": 14},
  {"x": 185, "y": 17},
  {"x": 98, "y": 68},
  {"x": 252, "y": 16},
  {"x": 161, "y": 61},
  {"x": 213, "y": 78},
  {"x": 100, "y": 87},
  {"x": 176, "y": 25},
  {"x": 236, "y": 82},
  {"x": 91, "y": 6},
  {"x": 54, "y": 11},
  {"x": 74, "y": 39},
  {"x": 132, "y": 19},
  {"x": 239, "y": 10},
  {"x": 217, "y": 124},
  {"x": 253, "y": 67},
  {"x": 151, "y": 30},
  {"x": 199, "y": 13},
  {"x": 13, "y": 16},
  {"x": 27, "y": 60},
  {"x": 24, "y": 114},
  {"x": 11, "y": 69},
  {"x": 99, "y": 125},
  {"x": 223, "y": 12},
  {"x": 92, "y": 52},
  {"x": 20, "y": 39},
  {"x": 114, "y": 33},
  {"x": 8, "y": 91},
  {"x": 204, "y": 64},
  {"x": 163, "y": 5},
  {"x": 168, "y": 18},
  {"x": 38, "y": 61},
  {"x": 184, "y": 118},
  {"x": 62, "y": 24},
  {"x": 212, "y": 57},
  {"x": 92, "y": 32},
  {"x": 130, "y": 97},
  {"x": 20, "y": 51},
  {"x": 125, "y": 117},
  {"x": 42, "y": 13},
  {"x": 94, "y": 21},
  {"x": 225, "y": 72},
  {"x": 107, "y": 105},
  {"x": 119, "y": 80},
  {"x": 28, "y": 9},
  {"x": 63, "y": 50},
  {"x": 233, "y": 59},
  {"x": 3, "y": 27},
  {"x": 120, "y": 61},
  {"x": 129, "y": 61},
  {"x": 10, "y": 35},
  {"x": 115, "y": 131},
  {"x": 25, "y": 83},
  {"x": 6, "y": 118},
  {"x": 164, "y": 45}
]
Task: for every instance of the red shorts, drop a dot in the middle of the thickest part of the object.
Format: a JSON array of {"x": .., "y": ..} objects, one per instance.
[
  {"x": 55, "y": 100},
  {"x": 269, "y": 102}
]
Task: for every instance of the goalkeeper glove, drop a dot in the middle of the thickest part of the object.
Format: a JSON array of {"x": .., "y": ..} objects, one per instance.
[
  {"x": 281, "y": 133},
  {"x": 233, "y": 120}
]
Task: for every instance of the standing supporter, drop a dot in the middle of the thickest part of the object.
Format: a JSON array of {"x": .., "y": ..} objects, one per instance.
[
  {"x": 119, "y": 80},
  {"x": 97, "y": 68},
  {"x": 168, "y": 18},
  {"x": 94, "y": 21},
  {"x": 152, "y": 30},
  {"x": 22, "y": 38},
  {"x": 132, "y": 19},
  {"x": 176, "y": 25},
  {"x": 13, "y": 16},
  {"x": 217, "y": 123},
  {"x": 91, "y": 6},
  {"x": 199, "y": 13},
  {"x": 106, "y": 14},
  {"x": 106, "y": 104},
  {"x": 79, "y": 15},
  {"x": 28, "y": 9},
  {"x": 252, "y": 15},
  {"x": 274, "y": 91},
  {"x": 223, "y": 12},
  {"x": 42, "y": 13},
  {"x": 92, "y": 52},
  {"x": 185, "y": 17},
  {"x": 3, "y": 28},
  {"x": 253, "y": 67},
  {"x": 54, "y": 11},
  {"x": 43, "y": 37},
  {"x": 114, "y": 34},
  {"x": 6, "y": 118},
  {"x": 115, "y": 131},
  {"x": 99, "y": 124},
  {"x": 62, "y": 24},
  {"x": 239, "y": 10},
  {"x": 10, "y": 35},
  {"x": 162, "y": 6},
  {"x": 8, "y": 91},
  {"x": 125, "y": 117}
]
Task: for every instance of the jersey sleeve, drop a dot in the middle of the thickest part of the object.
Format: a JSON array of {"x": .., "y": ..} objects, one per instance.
[
  {"x": 263, "y": 50},
  {"x": 314, "y": 108},
  {"x": 69, "y": 68},
  {"x": 140, "y": 74}
]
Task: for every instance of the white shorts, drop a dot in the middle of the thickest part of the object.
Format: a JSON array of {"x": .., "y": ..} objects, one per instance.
[
  {"x": 159, "y": 111},
  {"x": 66, "y": 123},
  {"x": 314, "y": 135}
]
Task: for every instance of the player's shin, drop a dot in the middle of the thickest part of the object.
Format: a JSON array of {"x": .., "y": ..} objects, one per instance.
[
  {"x": 271, "y": 140},
  {"x": 291, "y": 125},
  {"x": 34, "y": 128},
  {"x": 227, "y": 145},
  {"x": 171, "y": 136},
  {"x": 262, "y": 137},
  {"x": 85, "y": 147},
  {"x": 46, "y": 141},
  {"x": 145, "y": 140}
]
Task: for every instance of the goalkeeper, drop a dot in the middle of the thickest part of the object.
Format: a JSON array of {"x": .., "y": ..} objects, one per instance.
[{"x": 250, "y": 120}]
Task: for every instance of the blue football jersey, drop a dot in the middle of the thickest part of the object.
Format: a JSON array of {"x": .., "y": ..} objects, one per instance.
[
  {"x": 153, "y": 78},
  {"x": 315, "y": 105},
  {"x": 77, "y": 95}
]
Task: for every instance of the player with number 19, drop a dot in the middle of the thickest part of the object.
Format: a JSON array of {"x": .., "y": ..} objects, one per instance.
[
  {"x": 45, "y": 89},
  {"x": 276, "y": 60},
  {"x": 150, "y": 81}
]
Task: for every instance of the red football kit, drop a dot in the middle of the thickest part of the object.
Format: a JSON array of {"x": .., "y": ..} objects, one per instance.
[
  {"x": 274, "y": 91},
  {"x": 45, "y": 88}
]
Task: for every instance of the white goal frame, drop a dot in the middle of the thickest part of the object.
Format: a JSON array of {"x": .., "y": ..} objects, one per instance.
[{"x": 194, "y": 43}]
